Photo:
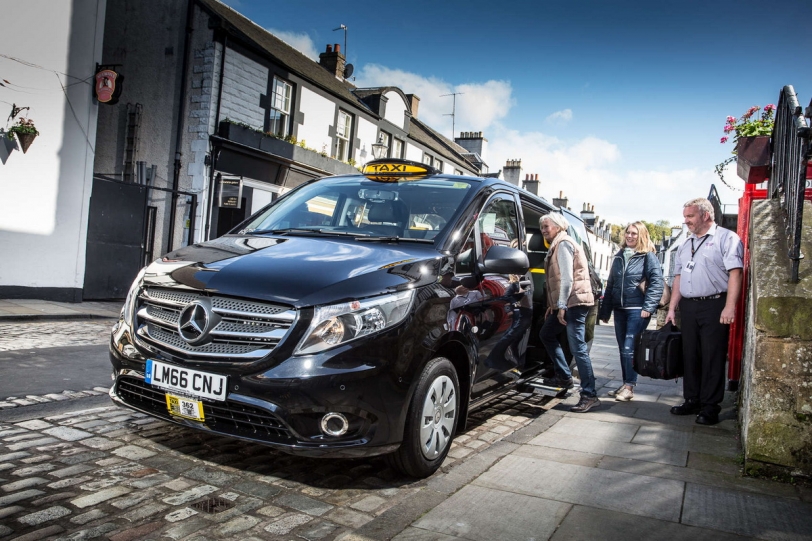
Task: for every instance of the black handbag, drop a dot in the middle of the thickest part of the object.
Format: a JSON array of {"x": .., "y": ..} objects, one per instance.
[{"x": 658, "y": 354}]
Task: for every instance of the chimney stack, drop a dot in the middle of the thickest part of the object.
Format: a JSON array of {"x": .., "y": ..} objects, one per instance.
[
  {"x": 513, "y": 171},
  {"x": 333, "y": 61},
  {"x": 588, "y": 214},
  {"x": 414, "y": 101},
  {"x": 474, "y": 142},
  {"x": 561, "y": 201}
]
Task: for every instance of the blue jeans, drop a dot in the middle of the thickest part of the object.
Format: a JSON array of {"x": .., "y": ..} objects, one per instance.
[
  {"x": 628, "y": 324},
  {"x": 576, "y": 329}
]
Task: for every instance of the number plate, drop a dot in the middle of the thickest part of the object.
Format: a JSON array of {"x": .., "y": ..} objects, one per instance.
[
  {"x": 184, "y": 407},
  {"x": 185, "y": 381}
]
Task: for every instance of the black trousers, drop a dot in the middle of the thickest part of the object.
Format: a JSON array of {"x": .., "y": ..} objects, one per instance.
[{"x": 704, "y": 351}]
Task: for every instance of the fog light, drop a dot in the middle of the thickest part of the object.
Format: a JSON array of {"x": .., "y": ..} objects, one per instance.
[
  {"x": 334, "y": 424},
  {"x": 129, "y": 351}
]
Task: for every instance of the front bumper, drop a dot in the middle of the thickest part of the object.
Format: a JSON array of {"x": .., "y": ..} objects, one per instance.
[{"x": 282, "y": 406}]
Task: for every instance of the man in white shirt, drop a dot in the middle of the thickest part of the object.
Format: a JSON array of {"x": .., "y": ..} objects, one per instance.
[{"x": 707, "y": 284}]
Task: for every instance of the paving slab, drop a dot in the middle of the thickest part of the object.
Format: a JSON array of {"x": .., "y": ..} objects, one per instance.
[
  {"x": 586, "y": 523},
  {"x": 689, "y": 475},
  {"x": 484, "y": 514},
  {"x": 569, "y": 483},
  {"x": 719, "y": 444},
  {"x": 612, "y": 448},
  {"x": 580, "y": 427},
  {"x": 746, "y": 513},
  {"x": 560, "y": 455}
]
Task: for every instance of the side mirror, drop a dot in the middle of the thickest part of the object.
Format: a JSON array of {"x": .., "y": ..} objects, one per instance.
[{"x": 504, "y": 260}]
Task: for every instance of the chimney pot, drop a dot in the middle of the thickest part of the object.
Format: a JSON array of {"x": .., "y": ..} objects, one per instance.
[
  {"x": 337, "y": 47},
  {"x": 537, "y": 176},
  {"x": 329, "y": 48}
]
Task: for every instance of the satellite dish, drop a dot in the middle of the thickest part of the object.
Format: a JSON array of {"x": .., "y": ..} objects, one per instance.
[{"x": 348, "y": 69}]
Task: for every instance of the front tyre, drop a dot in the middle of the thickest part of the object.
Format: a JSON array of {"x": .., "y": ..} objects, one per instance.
[{"x": 430, "y": 422}]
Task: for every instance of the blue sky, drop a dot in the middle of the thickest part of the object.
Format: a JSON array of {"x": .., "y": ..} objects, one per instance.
[{"x": 620, "y": 104}]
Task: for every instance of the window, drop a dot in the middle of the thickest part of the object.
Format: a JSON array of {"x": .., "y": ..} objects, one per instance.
[
  {"x": 386, "y": 139},
  {"x": 498, "y": 225},
  {"x": 280, "y": 108},
  {"x": 438, "y": 164},
  {"x": 397, "y": 149},
  {"x": 343, "y": 136},
  {"x": 427, "y": 159}
]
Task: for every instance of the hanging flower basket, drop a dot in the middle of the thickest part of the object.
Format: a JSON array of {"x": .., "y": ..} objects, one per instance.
[
  {"x": 25, "y": 140},
  {"x": 25, "y": 131},
  {"x": 753, "y": 159}
]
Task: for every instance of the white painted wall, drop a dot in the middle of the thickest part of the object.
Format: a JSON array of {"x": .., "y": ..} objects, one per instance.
[
  {"x": 319, "y": 114},
  {"x": 395, "y": 109},
  {"x": 44, "y": 194},
  {"x": 603, "y": 251},
  {"x": 413, "y": 153},
  {"x": 244, "y": 81},
  {"x": 367, "y": 134}
]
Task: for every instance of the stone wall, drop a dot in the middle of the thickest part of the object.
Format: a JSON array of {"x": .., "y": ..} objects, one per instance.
[{"x": 776, "y": 395}]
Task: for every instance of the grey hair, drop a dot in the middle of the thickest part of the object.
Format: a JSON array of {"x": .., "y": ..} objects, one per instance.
[
  {"x": 557, "y": 218},
  {"x": 702, "y": 204}
]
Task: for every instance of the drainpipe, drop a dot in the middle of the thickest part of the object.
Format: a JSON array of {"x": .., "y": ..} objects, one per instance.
[
  {"x": 215, "y": 149},
  {"x": 179, "y": 128}
]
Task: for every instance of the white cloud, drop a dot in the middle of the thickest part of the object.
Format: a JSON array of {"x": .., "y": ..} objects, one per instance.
[
  {"x": 587, "y": 170},
  {"x": 560, "y": 117},
  {"x": 591, "y": 171},
  {"x": 478, "y": 106},
  {"x": 299, "y": 41}
]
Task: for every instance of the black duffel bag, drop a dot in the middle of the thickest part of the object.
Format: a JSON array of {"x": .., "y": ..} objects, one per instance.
[{"x": 658, "y": 354}]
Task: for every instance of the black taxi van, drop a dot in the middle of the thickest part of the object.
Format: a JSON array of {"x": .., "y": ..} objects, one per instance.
[{"x": 357, "y": 315}]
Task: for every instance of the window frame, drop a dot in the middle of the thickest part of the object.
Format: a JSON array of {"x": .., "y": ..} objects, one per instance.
[
  {"x": 283, "y": 121},
  {"x": 342, "y": 152}
]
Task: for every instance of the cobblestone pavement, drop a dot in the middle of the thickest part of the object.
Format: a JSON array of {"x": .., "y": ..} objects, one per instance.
[
  {"x": 46, "y": 334},
  {"x": 110, "y": 472}
]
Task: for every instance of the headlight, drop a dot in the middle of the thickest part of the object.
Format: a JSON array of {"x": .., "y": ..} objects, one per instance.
[
  {"x": 339, "y": 323},
  {"x": 135, "y": 289}
]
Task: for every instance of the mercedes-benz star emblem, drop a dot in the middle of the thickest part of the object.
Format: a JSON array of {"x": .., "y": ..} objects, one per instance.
[{"x": 193, "y": 323}]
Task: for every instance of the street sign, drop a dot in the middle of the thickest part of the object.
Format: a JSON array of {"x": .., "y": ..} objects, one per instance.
[{"x": 230, "y": 192}]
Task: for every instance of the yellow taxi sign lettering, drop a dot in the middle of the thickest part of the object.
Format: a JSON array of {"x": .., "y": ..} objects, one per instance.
[{"x": 394, "y": 170}]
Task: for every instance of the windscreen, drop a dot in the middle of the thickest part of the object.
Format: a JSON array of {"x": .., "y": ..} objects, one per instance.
[{"x": 413, "y": 209}]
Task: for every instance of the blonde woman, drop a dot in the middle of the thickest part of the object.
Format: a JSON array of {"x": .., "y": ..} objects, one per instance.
[{"x": 632, "y": 308}]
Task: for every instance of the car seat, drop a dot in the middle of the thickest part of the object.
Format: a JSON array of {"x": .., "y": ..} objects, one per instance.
[
  {"x": 387, "y": 218},
  {"x": 536, "y": 253}
]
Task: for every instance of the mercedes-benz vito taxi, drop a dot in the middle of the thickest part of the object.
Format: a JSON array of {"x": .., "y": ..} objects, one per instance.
[{"x": 357, "y": 315}]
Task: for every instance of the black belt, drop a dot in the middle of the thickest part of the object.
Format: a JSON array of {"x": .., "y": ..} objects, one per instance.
[{"x": 707, "y": 297}]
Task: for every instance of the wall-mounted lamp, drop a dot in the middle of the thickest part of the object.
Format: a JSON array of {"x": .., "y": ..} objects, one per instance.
[{"x": 379, "y": 149}]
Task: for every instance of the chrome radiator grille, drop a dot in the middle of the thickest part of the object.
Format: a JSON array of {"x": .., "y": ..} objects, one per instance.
[{"x": 246, "y": 329}]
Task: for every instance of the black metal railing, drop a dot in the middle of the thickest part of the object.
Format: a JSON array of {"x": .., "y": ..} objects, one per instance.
[{"x": 788, "y": 179}]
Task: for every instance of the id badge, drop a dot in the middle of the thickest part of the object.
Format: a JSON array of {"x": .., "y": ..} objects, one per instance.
[{"x": 690, "y": 266}]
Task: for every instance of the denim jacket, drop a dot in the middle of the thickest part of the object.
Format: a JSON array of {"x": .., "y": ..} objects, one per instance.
[{"x": 621, "y": 288}]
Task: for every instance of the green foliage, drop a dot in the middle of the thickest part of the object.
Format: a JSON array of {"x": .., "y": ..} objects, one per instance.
[
  {"x": 617, "y": 234},
  {"x": 750, "y": 124},
  {"x": 23, "y": 125},
  {"x": 657, "y": 230}
]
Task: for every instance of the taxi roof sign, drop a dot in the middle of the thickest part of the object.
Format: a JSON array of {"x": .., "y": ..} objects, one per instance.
[{"x": 393, "y": 170}]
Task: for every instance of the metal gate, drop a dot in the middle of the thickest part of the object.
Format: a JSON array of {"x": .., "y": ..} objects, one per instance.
[{"x": 115, "y": 236}]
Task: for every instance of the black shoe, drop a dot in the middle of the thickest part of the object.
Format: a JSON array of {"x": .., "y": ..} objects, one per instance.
[
  {"x": 561, "y": 383},
  {"x": 705, "y": 418},
  {"x": 686, "y": 408}
]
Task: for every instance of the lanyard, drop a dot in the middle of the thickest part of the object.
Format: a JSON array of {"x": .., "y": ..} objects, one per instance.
[{"x": 694, "y": 250}]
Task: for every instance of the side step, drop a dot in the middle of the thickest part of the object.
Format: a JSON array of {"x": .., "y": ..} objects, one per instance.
[{"x": 536, "y": 386}]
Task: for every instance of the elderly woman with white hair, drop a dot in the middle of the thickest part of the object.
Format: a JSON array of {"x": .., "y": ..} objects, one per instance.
[{"x": 569, "y": 297}]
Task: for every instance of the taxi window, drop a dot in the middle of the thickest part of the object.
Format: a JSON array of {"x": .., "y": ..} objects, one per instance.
[
  {"x": 498, "y": 225},
  {"x": 417, "y": 209}
]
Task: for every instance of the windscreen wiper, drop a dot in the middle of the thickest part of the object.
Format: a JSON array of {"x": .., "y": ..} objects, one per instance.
[
  {"x": 304, "y": 231},
  {"x": 396, "y": 239}
]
